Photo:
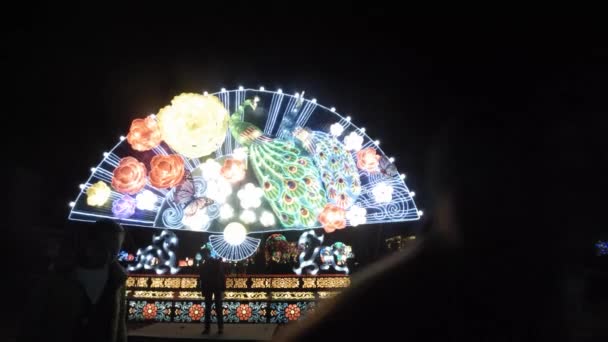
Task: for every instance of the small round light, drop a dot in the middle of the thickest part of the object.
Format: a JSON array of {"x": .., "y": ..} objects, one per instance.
[
  {"x": 313, "y": 100},
  {"x": 223, "y": 90},
  {"x": 105, "y": 154},
  {"x": 348, "y": 118},
  {"x": 280, "y": 91},
  {"x": 391, "y": 159},
  {"x": 205, "y": 93},
  {"x": 413, "y": 193},
  {"x": 377, "y": 142},
  {"x": 235, "y": 233},
  {"x": 333, "y": 109},
  {"x": 93, "y": 169},
  {"x": 241, "y": 88},
  {"x": 71, "y": 204},
  {"x": 262, "y": 88},
  {"x": 420, "y": 213},
  {"x": 122, "y": 137},
  {"x": 81, "y": 186},
  {"x": 402, "y": 176},
  {"x": 362, "y": 129}
]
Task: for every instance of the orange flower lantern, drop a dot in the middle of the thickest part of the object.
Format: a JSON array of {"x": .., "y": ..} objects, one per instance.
[
  {"x": 166, "y": 171},
  {"x": 129, "y": 176},
  {"x": 332, "y": 217},
  {"x": 144, "y": 134},
  {"x": 233, "y": 170},
  {"x": 368, "y": 159}
]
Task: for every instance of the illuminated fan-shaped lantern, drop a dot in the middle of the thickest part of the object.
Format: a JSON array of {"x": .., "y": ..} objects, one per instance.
[{"x": 278, "y": 162}]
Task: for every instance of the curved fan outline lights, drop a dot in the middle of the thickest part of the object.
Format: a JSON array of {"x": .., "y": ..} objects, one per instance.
[
  {"x": 401, "y": 208},
  {"x": 232, "y": 252}
]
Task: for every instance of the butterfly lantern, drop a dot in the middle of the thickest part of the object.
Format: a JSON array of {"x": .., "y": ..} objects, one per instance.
[{"x": 242, "y": 162}]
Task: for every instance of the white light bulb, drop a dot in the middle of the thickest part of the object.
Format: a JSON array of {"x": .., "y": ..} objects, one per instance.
[
  {"x": 336, "y": 129},
  {"x": 267, "y": 219},
  {"x": 198, "y": 221},
  {"x": 250, "y": 196},
  {"x": 93, "y": 169},
  {"x": 223, "y": 90},
  {"x": 122, "y": 137},
  {"x": 377, "y": 142},
  {"x": 362, "y": 129},
  {"x": 226, "y": 212},
  {"x": 356, "y": 215},
  {"x": 146, "y": 200},
  {"x": 402, "y": 176},
  {"x": 205, "y": 93},
  {"x": 313, "y": 100},
  {"x": 71, "y": 204},
  {"x": 280, "y": 91},
  {"x": 333, "y": 109},
  {"x": 297, "y": 95},
  {"x": 235, "y": 233},
  {"x": 81, "y": 186},
  {"x": 353, "y": 142},
  {"x": 241, "y": 88},
  {"x": 420, "y": 213},
  {"x": 391, "y": 159},
  {"x": 106, "y": 154},
  {"x": 348, "y": 118},
  {"x": 262, "y": 88},
  {"x": 218, "y": 190},
  {"x": 240, "y": 153},
  {"x": 247, "y": 216},
  {"x": 210, "y": 169},
  {"x": 383, "y": 193},
  {"x": 413, "y": 193}
]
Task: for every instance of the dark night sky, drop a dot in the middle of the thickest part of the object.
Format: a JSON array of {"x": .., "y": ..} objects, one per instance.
[{"x": 76, "y": 81}]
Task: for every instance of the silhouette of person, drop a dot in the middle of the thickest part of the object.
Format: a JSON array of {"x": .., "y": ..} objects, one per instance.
[
  {"x": 83, "y": 297},
  {"x": 213, "y": 285}
]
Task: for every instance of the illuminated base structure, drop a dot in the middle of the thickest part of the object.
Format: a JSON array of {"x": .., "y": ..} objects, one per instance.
[{"x": 248, "y": 299}]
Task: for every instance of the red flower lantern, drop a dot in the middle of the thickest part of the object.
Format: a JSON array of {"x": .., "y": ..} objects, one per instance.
[
  {"x": 332, "y": 217},
  {"x": 368, "y": 160},
  {"x": 129, "y": 176},
  {"x": 144, "y": 134},
  {"x": 166, "y": 171},
  {"x": 233, "y": 170}
]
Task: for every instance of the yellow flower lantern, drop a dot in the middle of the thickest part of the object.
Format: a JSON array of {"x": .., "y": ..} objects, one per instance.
[
  {"x": 98, "y": 194},
  {"x": 194, "y": 125}
]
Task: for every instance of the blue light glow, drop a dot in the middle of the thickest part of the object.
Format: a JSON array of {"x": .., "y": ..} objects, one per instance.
[{"x": 602, "y": 248}]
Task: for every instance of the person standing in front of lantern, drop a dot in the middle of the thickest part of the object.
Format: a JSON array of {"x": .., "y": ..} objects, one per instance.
[{"x": 213, "y": 285}]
